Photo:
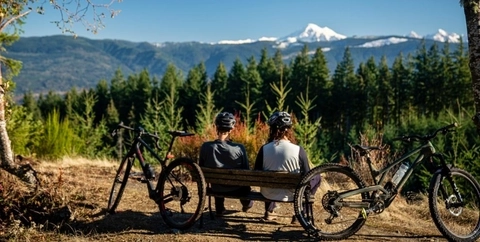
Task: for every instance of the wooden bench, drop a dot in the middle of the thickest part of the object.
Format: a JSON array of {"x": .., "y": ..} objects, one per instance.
[{"x": 252, "y": 178}]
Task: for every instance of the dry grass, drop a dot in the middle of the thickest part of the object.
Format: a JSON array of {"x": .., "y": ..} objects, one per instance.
[{"x": 84, "y": 185}]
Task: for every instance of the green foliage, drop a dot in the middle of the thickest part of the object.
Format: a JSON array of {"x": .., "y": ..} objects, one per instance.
[
  {"x": 306, "y": 131},
  {"x": 58, "y": 138},
  {"x": 281, "y": 93},
  {"x": 206, "y": 115},
  {"x": 24, "y": 130},
  {"x": 90, "y": 134}
]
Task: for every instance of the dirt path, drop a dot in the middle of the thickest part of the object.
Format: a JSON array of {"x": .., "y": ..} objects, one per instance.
[{"x": 87, "y": 185}]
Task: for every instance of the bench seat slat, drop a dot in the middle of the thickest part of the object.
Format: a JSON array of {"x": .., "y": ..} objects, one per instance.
[
  {"x": 251, "y": 178},
  {"x": 234, "y": 182}
]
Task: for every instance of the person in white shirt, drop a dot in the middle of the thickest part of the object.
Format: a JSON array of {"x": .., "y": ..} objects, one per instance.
[{"x": 279, "y": 154}]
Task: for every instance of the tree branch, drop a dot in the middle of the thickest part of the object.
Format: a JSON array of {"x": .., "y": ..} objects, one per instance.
[{"x": 8, "y": 22}]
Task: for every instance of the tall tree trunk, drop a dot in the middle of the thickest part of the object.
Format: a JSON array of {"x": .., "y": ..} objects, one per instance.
[
  {"x": 6, "y": 154},
  {"x": 24, "y": 171},
  {"x": 472, "y": 17}
]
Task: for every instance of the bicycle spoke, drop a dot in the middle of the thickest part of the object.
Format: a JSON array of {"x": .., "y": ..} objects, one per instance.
[
  {"x": 182, "y": 193},
  {"x": 457, "y": 217},
  {"x": 327, "y": 219}
]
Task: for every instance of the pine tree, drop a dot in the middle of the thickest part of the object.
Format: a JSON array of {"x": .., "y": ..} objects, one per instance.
[
  {"x": 103, "y": 99},
  {"x": 191, "y": 92},
  {"x": 402, "y": 89},
  {"x": 385, "y": 93},
  {"x": 320, "y": 84},
  {"x": 299, "y": 76},
  {"x": 236, "y": 84},
  {"x": 219, "y": 85},
  {"x": 253, "y": 91},
  {"x": 270, "y": 74}
]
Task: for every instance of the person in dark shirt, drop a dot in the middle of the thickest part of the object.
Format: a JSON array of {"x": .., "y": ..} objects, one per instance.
[
  {"x": 222, "y": 153},
  {"x": 279, "y": 154}
]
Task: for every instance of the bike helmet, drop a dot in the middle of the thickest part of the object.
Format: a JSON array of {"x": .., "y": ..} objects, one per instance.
[
  {"x": 225, "y": 121},
  {"x": 280, "y": 120}
]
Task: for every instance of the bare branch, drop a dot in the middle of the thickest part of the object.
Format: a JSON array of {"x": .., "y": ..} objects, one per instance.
[
  {"x": 90, "y": 14},
  {"x": 9, "y": 21}
]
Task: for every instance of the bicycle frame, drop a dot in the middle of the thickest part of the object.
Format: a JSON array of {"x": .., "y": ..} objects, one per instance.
[
  {"x": 135, "y": 150},
  {"x": 423, "y": 152}
]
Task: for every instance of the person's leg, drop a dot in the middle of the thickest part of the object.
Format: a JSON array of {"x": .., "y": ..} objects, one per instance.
[
  {"x": 269, "y": 211},
  {"x": 246, "y": 204},
  {"x": 219, "y": 205},
  {"x": 270, "y": 206}
]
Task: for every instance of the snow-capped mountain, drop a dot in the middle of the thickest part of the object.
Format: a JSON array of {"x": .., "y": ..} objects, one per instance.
[
  {"x": 441, "y": 36},
  {"x": 312, "y": 33},
  {"x": 383, "y": 42},
  {"x": 315, "y": 33}
]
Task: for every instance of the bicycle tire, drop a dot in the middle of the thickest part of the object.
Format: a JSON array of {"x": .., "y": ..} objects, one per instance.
[
  {"x": 119, "y": 183},
  {"x": 333, "y": 178},
  {"x": 460, "y": 223},
  {"x": 173, "y": 193}
]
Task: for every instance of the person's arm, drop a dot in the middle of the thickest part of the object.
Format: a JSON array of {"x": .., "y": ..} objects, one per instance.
[
  {"x": 259, "y": 160},
  {"x": 201, "y": 161},
  {"x": 245, "y": 164},
  {"x": 303, "y": 158}
]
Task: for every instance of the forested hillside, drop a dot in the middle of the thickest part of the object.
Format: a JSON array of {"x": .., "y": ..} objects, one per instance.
[{"x": 58, "y": 63}]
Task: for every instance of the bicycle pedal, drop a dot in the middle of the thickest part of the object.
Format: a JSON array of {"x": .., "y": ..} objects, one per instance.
[{"x": 364, "y": 213}]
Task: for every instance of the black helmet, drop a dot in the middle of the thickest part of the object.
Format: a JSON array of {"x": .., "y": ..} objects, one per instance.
[
  {"x": 280, "y": 120},
  {"x": 225, "y": 121}
]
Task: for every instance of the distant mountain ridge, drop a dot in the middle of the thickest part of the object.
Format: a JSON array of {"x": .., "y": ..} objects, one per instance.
[
  {"x": 59, "y": 63},
  {"x": 315, "y": 33}
]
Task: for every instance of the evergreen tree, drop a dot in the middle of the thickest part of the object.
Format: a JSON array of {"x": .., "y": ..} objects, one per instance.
[
  {"x": 31, "y": 106},
  {"x": 207, "y": 111},
  {"x": 253, "y": 91},
  {"x": 367, "y": 74},
  {"x": 118, "y": 86},
  {"x": 219, "y": 86},
  {"x": 191, "y": 91},
  {"x": 421, "y": 79},
  {"x": 269, "y": 74},
  {"x": 320, "y": 84},
  {"x": 402, "y": 89},
  {"x": 299, "y": 76},
  {"x": 384, "y": 95},
  {"x": 461, "y": 79},
  {"x": 344, "y": 80},
  {"x": 52, "y": 101},
  {"x": 435, "y": 85},
  {"x": 172, "y": 81},
  {"x": 236, "y": 84},
  {"x": 103, "y": 100}
]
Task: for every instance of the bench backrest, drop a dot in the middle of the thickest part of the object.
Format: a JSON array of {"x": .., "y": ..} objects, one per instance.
[{"x": 275, "y": 179}]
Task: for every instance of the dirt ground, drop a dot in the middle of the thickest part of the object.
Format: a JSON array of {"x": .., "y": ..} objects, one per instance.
[{"x": 86, "y": 184}]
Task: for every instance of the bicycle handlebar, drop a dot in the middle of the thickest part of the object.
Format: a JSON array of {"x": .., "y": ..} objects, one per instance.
[
  {"x": 412, "y": 138},
  {"x": 141, "y": 131}
]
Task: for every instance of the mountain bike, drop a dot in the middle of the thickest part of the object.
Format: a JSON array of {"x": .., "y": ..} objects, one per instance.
[
  {"x": 343, "y": 201},
  {"x": 180, "y": 190}
]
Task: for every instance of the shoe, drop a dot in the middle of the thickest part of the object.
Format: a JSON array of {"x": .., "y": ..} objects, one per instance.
[
  {"x": 270, "y": 216},
  {"x": 245, "y": 209}
]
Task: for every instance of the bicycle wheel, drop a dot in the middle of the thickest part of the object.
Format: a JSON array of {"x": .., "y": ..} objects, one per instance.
[
  {"x": 458, "y": 219},
  {"x": 314, "y": 207},
  {"x": 119, "y": 183},
  {"x": 182, "y": 191}
]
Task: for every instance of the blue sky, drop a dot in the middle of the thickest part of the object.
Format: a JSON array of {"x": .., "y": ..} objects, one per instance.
[{"x": 215, "y": 20}]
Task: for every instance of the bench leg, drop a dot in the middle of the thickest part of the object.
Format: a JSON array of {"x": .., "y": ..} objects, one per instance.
[{"x": 210, "y": 207}]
